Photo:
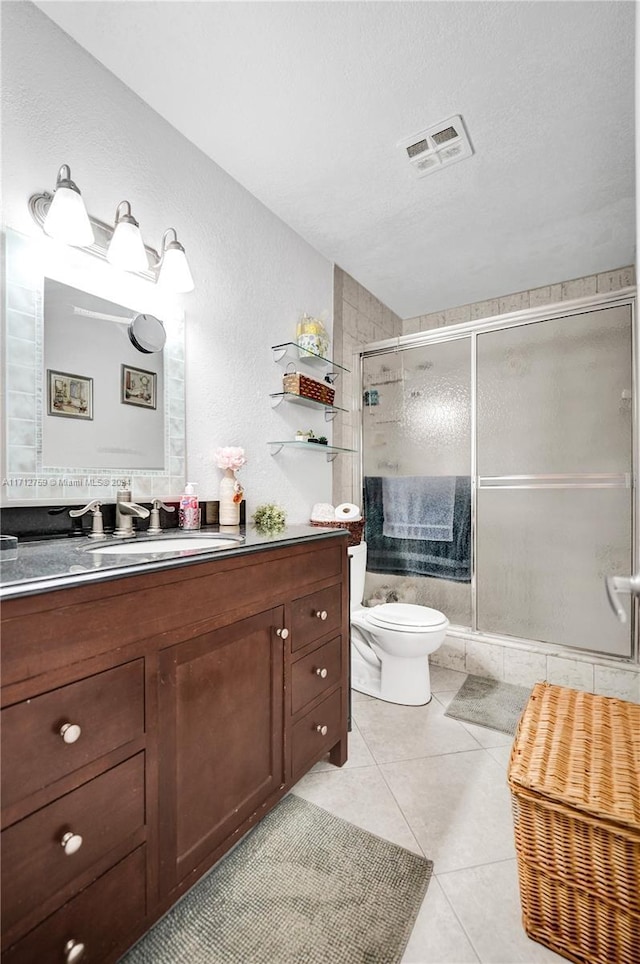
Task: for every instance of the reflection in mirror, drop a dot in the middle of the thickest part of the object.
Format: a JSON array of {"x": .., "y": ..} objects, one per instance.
[
  {"x": 147, "y": 334},
  {"x": 90, "y": 336},
  {"x": 68, "y": 313}
]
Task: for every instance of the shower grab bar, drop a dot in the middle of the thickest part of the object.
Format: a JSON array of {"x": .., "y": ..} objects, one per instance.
[
  {"x": 588, "y": 480},
  {"x": 618, "y": 584}
]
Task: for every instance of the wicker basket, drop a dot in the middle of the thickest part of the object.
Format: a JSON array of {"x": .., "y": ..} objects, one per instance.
[
  {"x": 299, "y": 384},
  {"x": 574, "y": 775},
  {"x": 355, "y": 529}
]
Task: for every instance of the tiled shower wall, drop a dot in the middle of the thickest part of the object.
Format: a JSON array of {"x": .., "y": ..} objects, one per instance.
[
  {"x": 549, "y": 295},
  {"x": 358, "y": 318}
]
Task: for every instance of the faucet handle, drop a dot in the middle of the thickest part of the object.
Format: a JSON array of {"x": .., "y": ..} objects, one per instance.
[
  {"x": 159, "y": 504},
  {"x": 97, "y": 530},
  {"x": 154, "y": 522}
]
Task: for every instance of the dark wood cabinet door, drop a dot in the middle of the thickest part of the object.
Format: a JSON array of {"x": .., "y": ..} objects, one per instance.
[{"x": 220, "y": 703}]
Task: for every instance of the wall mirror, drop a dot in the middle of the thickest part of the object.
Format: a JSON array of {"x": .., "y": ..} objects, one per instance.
[{"x": 94, "y": 375}]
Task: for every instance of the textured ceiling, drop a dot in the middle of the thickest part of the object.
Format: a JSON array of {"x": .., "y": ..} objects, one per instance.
[{"x": 304, "y": 102}]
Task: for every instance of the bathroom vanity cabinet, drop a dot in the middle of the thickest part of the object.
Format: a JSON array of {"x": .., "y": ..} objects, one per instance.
[{"x": 148, "y": 722}]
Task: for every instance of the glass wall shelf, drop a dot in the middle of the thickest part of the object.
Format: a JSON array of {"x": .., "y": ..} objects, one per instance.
[
  {"x": 331, "y": 451},
  {"x": 289, "y": 351},
  {"x": 330, "y": 411}
]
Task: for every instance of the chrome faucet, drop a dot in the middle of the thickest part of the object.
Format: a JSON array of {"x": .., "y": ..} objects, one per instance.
[{"x": 125, "y": 510}]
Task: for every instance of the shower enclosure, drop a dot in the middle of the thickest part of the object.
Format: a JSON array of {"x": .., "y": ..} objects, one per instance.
[{"x": 529, "y": 419}]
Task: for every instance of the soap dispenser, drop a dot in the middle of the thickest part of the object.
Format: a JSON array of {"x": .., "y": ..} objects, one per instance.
[{"x": 189, "y": 514}]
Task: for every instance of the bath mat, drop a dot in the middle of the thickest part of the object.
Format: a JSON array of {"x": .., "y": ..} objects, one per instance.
[
  {"x": 304, "y": 887},
  {"x": 490, "y": 703}
]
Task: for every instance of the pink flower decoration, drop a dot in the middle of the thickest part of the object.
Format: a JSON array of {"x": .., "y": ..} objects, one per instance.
[{"x": 230, "y": 457}]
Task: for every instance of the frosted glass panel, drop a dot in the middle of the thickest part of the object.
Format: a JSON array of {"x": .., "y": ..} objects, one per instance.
[
  {"x": 555, "y": 397},
  {"x": 416, "y": 413},
  {"x": 542, "y": 558}
]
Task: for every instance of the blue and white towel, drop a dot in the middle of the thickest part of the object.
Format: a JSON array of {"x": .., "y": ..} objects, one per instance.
[
  {"x": 419, "y": 557},
  {"x": 419, "y": 507}
]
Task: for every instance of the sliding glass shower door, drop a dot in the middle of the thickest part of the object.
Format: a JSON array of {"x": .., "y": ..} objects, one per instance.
[
  {"x": 534, "y": 421},
  {"x": 554, "y": 465}
]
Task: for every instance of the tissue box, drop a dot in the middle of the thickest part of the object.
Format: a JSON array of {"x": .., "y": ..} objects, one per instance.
[{"x": 298, "y": 383}]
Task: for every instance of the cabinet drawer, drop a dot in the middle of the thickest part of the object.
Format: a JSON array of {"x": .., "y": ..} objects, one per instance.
[
  {"x": 308, "y": 742},
  {"x": 315, "y": 615},
  {"x": 99, "y": 918},
  {"x": 315, "y": 673},
  {"x": 103, "y": 812},
  {"x": 108, "y": 709}
]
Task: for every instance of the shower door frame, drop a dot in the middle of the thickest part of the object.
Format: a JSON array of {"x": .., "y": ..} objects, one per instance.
[{"x": 470, "y": 331}]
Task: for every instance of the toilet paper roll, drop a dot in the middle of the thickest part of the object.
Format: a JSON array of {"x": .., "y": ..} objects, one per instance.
[{"x": 348, "y": 512}]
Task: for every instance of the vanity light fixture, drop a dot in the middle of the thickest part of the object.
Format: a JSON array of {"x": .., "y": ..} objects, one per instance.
[
  {"x": 174, "y": 267},
  {"x": 67, "y": 219},
  {"x": 126, "y": 248},
  {"x": 63, "y": 216}
]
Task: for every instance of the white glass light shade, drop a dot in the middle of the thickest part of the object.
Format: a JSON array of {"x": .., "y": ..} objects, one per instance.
[
  {"x": 174, "y": 271},
  {"x": 67, "y": 219},
  {"x": 126, "y": 248}
]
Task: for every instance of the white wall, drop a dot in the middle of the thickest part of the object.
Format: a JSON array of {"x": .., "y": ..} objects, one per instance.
[{"x": 254, "y": 276}]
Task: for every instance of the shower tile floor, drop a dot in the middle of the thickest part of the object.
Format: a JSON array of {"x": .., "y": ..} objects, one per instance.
[{"x": 437, "y": 787}]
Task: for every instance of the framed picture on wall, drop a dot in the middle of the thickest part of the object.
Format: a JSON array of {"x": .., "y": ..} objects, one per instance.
[
  {"x": 138, "y": 387},
  {"x": 70, "y": 396}
]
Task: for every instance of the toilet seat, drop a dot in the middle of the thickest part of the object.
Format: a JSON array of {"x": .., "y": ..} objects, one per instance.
[{"x": 406, "y": 618}]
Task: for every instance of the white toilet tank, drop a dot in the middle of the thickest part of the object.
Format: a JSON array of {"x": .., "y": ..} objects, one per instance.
[{"x": 358, "y": 555}]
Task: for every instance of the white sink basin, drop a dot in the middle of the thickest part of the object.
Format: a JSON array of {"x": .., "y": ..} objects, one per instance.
[{"x": 182, "y": 545}]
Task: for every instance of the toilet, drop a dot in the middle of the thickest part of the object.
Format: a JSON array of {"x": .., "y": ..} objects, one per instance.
[{"x": 390, "y": 644}]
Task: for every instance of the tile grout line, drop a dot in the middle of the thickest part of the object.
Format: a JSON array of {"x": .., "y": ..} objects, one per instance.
[
  {"x": 404, "y": 817},
  {"x": 462, "y": 927},
  {"x": 393, "y": 797}
]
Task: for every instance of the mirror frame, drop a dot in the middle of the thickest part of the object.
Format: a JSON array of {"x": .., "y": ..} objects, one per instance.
[{"x": 25, "y": 479}]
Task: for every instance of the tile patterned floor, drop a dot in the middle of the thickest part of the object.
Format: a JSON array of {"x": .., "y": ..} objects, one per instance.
[{"x": 437, "y": 787}]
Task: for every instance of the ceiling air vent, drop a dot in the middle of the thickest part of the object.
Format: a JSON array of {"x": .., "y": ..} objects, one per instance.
[{"x": 442, "y": 144}]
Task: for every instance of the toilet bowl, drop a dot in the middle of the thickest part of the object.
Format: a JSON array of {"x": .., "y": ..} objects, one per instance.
[{"x": 390, "y": 644}]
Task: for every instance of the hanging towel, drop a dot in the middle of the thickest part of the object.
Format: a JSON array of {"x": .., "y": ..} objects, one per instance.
[
  {"x": 419, "y": 507},
  {"x": 420, "y": 557}
]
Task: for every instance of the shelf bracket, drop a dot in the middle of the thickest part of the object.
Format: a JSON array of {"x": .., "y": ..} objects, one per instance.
[
  {"x": 279, "y": 351},
  {"x": 275, "y": 447},
  {"x": 332, "y": 456}
]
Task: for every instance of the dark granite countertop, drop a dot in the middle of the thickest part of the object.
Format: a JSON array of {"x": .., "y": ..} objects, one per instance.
[{"x": 65, "y": 562}]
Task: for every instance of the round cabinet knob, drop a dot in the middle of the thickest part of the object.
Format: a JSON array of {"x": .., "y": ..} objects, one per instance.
[
  {"x": 321, "y": 672},
  {"x": 322, "y": 729},
  {"x": 321, "y": 614},
  {"x": 71, "y": 842},
  {"x": 70, "y": 732},
  {"x": 282, "y": 633},
  {"x": 73, "y": 951}
]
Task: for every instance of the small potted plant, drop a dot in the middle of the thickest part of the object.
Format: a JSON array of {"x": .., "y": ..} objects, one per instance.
[
  {"x": 269, "y": 518},
  {"x": 308, "y": 436},
  {"x": 322, "y": 440}
]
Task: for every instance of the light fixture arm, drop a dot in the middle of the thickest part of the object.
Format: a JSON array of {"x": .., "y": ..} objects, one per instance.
[
  {"x": 64, "y": 179},
  {"x": 127, "y": 217},
  {"x": 164, "y": 246},
  {"x": 39, "y": 205}
]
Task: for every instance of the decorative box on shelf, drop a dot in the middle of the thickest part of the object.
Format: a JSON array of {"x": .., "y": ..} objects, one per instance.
[{"x": 297, "y": 383}]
